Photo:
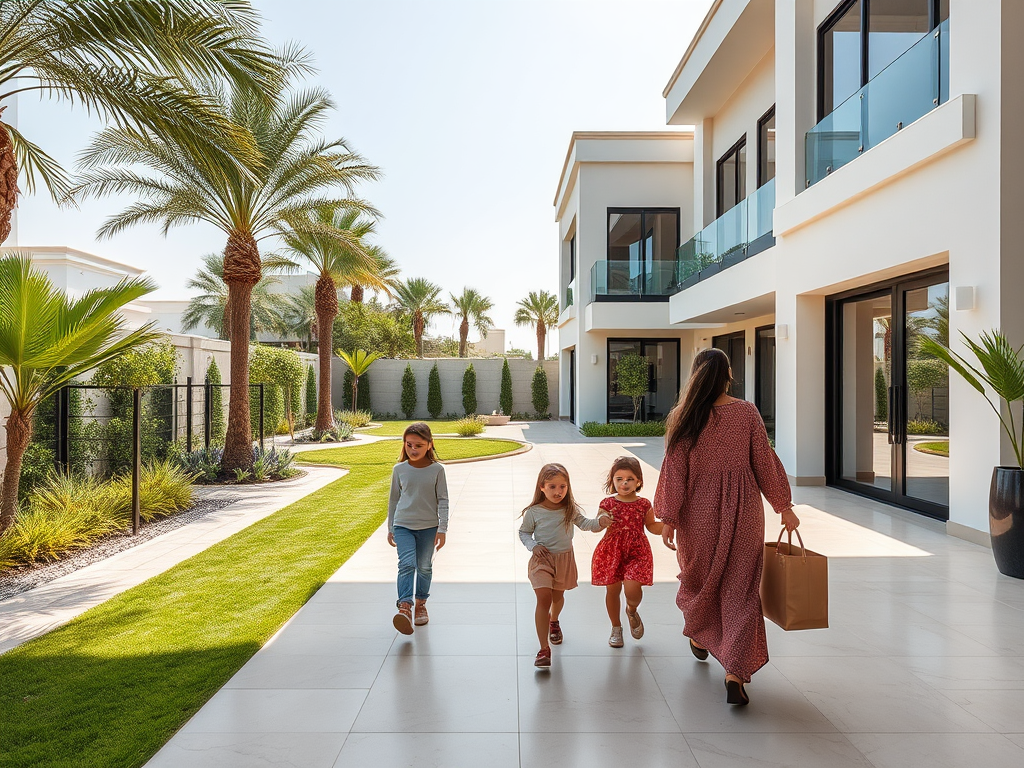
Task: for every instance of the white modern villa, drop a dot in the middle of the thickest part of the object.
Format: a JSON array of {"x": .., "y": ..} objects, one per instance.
[{"x": 837, "y": 186}]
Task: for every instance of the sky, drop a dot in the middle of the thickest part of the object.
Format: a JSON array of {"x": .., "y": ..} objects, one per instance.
[{"x": 466, "y": 105}]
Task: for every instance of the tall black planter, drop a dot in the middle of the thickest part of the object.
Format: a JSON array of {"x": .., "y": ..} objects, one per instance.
[{"x": 1006, "y": 520}]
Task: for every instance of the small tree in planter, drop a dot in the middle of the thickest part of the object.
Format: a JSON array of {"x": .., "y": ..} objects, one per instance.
[
  {"x": 631, "y": 374},
  {"x": 505, "y": 398},
  {"x": 541, "y": 399},
  {"x": 469, "y": 390},
  {"x": 434, "y": 401},
  {"x": 408, "y": 392},
  {"x": 1002, "y": 371}
]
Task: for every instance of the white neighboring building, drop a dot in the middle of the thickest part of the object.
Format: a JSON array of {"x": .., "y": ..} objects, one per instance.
[
  {"x": 883, "y": 133},
  {"x": 623, "y": 201}
]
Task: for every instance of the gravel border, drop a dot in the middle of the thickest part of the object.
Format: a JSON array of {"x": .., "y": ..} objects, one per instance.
[{"x": 17, "y": 580}]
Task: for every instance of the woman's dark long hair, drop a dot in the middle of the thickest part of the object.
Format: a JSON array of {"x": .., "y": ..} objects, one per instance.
[{"x": 709, "y": 378}]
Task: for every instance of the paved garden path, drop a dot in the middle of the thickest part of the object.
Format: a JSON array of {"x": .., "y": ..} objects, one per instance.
[{"x": 923, "y": 666}]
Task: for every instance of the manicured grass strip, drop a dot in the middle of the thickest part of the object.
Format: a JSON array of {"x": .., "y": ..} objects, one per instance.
[
  {"x": 939, "y": 448},
  {"x": 396, "y": 428},
  {"x": 109, "y": 688},
  {"x": 388, "y": 451}
]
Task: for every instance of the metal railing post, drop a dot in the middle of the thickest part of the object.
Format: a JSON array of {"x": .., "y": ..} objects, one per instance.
[
  {"x": 188, "y": 413},
  {"x": 136, "y": 455},
  {"x": 262, "y": 431}
]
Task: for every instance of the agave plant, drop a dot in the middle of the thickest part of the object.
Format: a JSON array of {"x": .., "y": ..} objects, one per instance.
[{"x": 1001, "y": 370}]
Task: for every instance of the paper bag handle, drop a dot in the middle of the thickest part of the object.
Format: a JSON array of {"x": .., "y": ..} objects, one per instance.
[{"x": 803, "y": 550}]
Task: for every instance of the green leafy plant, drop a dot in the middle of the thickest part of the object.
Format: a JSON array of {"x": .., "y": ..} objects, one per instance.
[
  {"x": 359, "y": 363},
  {"x": 217, "y": 420},
  {"x": 408, "y": 391},
  {"x": 469, "y": 390},
  {"x": 539, "y": 390},
  {"x": 311, "y": 394},
  {"x": 354, "y": 419},
  {"x": 1001, "y": 369},
  {"x": 925, "y": 427},
  {"x": 434, "y": 402},
  {"x": 539, "y": 309},
  {"x": 469, "y": 426},
  {"x": 282, "y": 370},
  {"x": 472, "y": 307},
  {"x": 420, "y": 299},
  {"x": 881, "y": 396},
  {"x": 505, "y": 397},
  {"x": 363, "y": 392},
  {"x": 631, "y": 376},
  {"x": 634, "y": 429}
]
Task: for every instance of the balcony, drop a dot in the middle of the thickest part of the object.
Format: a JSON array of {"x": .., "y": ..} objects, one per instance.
[
  {"x": 739, "y": 233},
  {"x": 633, "y": 280},
  {"x": 909, "y": 88}
]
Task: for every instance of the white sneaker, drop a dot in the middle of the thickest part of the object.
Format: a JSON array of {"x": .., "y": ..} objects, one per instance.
[{"x": 615, "y": 641}]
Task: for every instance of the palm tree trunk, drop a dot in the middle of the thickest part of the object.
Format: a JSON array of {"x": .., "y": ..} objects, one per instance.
[
  {"x": 356, "y": 294},
  {"x": 326, "y": 310},
  {"x": 19, "y": 432},
  {"x": 8, "y": 182},
  {"x": 541, "y": 333},
  {"x": 417, "y": 329},
  {"x": 463, "y": 337},
  {"x": 242, "y": 270}
]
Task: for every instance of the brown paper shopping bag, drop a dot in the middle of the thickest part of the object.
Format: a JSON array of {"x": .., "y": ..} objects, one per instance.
[{"x": 794, "y": 585}]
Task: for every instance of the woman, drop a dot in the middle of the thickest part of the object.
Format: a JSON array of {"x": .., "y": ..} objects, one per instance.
[{"x": 718, "y": 462}]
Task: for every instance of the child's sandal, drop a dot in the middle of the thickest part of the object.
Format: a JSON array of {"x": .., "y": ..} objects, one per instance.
[
  {"x": 555, "y": 633},
  {"x": 543, "y": 657}
]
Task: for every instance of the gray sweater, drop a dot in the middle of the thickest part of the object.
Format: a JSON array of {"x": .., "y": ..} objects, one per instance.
[
  {"x": 419, "y": 498},
  {"x": 546, "y": 527}
]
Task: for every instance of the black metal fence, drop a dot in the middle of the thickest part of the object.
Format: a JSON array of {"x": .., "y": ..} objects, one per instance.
[{"x": 108, "y": 431}]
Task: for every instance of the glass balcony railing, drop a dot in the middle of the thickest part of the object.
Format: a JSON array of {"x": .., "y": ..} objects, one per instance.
[
  {"x": 633, "y": 278},
  {"x": 910, "y": 87},
  {"x": 742, "y": 231}
]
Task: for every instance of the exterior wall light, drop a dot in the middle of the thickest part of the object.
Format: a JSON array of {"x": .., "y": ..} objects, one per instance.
[
  {"x": 782, "y": 331},
  {"x": 964, "y": 298},
  {"x": 593, "y": 359}
]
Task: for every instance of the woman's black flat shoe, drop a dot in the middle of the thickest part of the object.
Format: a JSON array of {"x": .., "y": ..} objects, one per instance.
[
  {"x": 734, "y": 693},
  {"x": 700, "y": 653}
]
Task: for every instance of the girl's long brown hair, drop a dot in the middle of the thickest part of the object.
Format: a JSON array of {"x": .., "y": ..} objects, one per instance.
[
  {"x": 421, "y": 430},
  {"x": 709, "y": 378},
  {"x": 548, "y": 472},
  {"x": 624, "y": 462}
]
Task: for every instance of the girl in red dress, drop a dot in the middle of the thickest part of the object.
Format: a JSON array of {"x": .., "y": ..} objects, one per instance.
[{"x": 623, "y": 559}]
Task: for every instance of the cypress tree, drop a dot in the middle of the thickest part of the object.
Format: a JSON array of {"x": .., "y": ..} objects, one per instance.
[
  {"x": 434, "y": 402},
  {"x": 541, "y": 400},
  {"x": 408, "y": 392},
  {"x": 469, "y": 390},
  {"x": 218, "y": 426},
  {"x": 505, "y": 398},
  {"x": 310, "y": 393}
]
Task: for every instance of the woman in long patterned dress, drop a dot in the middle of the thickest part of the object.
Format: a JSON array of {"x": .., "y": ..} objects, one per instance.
[{"x": 718, "y": 462}]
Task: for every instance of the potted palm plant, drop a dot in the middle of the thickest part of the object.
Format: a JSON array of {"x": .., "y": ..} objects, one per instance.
[{"x": 1000, "y": 369}]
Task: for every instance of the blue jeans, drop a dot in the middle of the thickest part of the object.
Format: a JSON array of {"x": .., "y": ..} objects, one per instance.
[{"x": 415, "y": 552}]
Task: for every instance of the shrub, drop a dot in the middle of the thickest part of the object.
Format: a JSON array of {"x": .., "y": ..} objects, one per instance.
[
  {"x": 272, "y": 464},
  {"x": 633, "y": 429},
  {"x": 364, "y": 391},
  {"x": 354, "y": 419},
  {"x": 505, "y": 398},
  {"x": 218, "y": 424},
  {"x": 408, "y": 392},
  {"x": 925, "y": 427},
  {"x": 282, "y": 369},
  {"x": 273, "y": 409},
  {"x": 434, "y": 401},
  {"x": 311, "y": 395},
  {"x": 469, "y": 426},
  {"x": 203, "y": 463},
  {"x": 881, "y": 396},
  {"x": 337, "y": 434},
  {"x": 539, "y": 388},
  {"x": 36, "y": 465},
  {"x": 469, "y": 390},
  {"x": 631, "y": 379}
]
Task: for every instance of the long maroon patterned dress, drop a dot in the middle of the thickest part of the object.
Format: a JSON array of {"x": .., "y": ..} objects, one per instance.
[{"x": 711, "y": 494}]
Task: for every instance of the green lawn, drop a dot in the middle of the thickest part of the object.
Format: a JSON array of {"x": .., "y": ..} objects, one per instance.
[
  {"x": 939, "y": 448},
  {"x": 396, "y": 428},
  {"x": 109, "y": 688},
  {"x": 387, "y": 451}
]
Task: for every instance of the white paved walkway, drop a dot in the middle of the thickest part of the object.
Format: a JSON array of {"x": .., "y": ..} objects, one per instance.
[{"x": 923, "y": 665}]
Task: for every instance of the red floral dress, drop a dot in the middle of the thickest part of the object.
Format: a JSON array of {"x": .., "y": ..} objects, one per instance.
[{"x": 624, "y": 554}]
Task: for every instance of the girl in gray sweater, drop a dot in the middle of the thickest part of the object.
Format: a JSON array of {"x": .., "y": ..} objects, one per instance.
[{"x": 417, "y": 521}]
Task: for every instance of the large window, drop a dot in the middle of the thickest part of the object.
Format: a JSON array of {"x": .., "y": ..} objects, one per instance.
[
  {"x": 862, "y": 37},
  {"x": 732, "y": 176},
  {"x": 572, "y": 258},
  {"x": 766, "y": 148},
  {"x": 642, "y": 244},
  {"x": 662, "y": 356}
]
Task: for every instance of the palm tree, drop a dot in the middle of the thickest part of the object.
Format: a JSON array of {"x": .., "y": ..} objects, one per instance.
[
  {"x": 473, "y": 308},
  {"x": 539, "y": 309},
  {"x": 419, "y": 297},
  {"x": 360, "y": 362},
  {"x": 249, "y": 200},
  {"x": 386, "y": 272},
  {"x": 335, "y": 261},
  {"x": 130, "y": 62},
  {"x": 48, "y": 339},
  {"x": 299, "y": 315},
  {"x": 210, "y": 307}
]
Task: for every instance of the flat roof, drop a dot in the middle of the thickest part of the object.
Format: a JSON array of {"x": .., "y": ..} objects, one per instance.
[{"x": 693, "y": 44}]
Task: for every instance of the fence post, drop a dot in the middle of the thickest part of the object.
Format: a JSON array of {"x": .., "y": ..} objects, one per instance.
[
  {"x": 188, "y": 413},
  {"x": 207, "y": 414},
  {"x": 261, "y": 417},
  {"x": 136, "y": 455},
  {"x": 64, "y": 454}
]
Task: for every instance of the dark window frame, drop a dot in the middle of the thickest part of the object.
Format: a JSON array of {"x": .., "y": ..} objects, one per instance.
[
  {"x": 720, "y": 209},
  {"x": 641, "y": 340},
  {"x": 762, "y": 145},
  {"x": 572, "y": 257},
  {"x": 758, "y": 362},
  {"x": 934, "y": 19},
  {"x": 643, "y": 246}
]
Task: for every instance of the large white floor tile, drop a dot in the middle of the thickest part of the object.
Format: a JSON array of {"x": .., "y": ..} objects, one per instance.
[
  {"x": 938, "y": 750},
  {"x": 595, "y": 750},
  {"x": 250, "y": 750},
  {"x": 430, "y": 750},
  {"x": 286, "y": 670},
  {"x": 775, "y": 750},
  {"x": 285, "y": 711}
]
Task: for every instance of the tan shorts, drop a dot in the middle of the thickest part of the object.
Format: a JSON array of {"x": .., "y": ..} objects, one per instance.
[{"x": 553, "y": 570}]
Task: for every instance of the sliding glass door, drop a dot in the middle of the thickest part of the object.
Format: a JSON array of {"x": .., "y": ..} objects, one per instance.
[
  {"x": 889, "y": 401},
  {"x": 662, "y": 358}
]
